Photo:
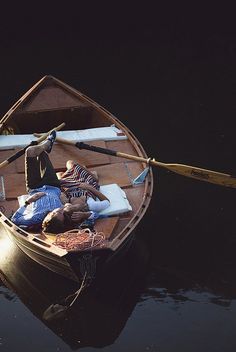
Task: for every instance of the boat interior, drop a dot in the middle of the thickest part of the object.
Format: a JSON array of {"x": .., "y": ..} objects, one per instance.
[{"x": 43, "y": 112}]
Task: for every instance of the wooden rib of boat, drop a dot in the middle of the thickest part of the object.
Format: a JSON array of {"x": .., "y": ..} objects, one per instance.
[{"x": 47, "y": 104}]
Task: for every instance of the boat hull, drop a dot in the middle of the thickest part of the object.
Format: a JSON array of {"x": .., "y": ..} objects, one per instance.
[
  {"x": 75, "y": 265},
  {"x": 50, "y": 103}
]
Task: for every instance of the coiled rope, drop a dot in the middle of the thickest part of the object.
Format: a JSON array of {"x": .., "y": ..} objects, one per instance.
[{"x": 79, "y": 239}]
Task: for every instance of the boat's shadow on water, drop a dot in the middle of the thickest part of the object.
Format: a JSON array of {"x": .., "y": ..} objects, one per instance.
[{"x": 97, "y": 315}]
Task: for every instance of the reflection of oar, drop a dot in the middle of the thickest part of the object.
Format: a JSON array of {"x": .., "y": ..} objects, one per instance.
[
  {"x": 21, "y": 151},
  {"x": 186, "y": 170}
]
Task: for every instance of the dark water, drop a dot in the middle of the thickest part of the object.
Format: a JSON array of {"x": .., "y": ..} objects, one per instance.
[{"x": 170, "y": 76}]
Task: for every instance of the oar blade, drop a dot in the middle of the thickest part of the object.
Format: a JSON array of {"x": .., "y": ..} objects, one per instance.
[{"x": 203, "y": 174}]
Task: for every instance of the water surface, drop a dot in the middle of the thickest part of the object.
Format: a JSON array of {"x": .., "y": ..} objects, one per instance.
[{"x": 174, "y": 87}]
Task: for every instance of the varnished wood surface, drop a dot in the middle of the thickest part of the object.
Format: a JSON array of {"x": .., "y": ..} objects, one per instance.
[
  {"x": 106, "y": 226},
  {"x": 50, "y": 102},
  {"x": 108, "y": 172}
]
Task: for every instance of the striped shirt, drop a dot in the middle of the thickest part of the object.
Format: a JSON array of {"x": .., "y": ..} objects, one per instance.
[
  {"x": 72, "y": 178},
  {"x": 36, "y": 211}
]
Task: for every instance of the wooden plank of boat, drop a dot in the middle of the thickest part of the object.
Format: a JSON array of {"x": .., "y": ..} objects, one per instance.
[
  {"x": 106, "y": 226},
  {"x": 14, "y": 185},
  {"x": 48, "y": 103},
  {"x": 60, "y": 153},
  {"x": 12, "y": 167},
  {"x": 121, "y": 146},
  {"x": 113, "y": 173},
  {"x": 64, "y": 152},
  {"x": 8, "y": 206}
]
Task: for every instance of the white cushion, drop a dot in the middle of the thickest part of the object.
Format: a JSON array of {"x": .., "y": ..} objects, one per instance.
[
  {"x": 91, "y": 134},
  {"x": 118, "y": 201}
]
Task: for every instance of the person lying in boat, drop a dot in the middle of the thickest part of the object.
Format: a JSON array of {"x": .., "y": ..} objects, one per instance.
[
  {"x": 43, "y": 186},
  {"x": 81, "y": 197},
  {"x": 80, "y": 186}
]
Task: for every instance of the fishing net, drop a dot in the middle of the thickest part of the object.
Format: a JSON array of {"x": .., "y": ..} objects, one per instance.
[{"x": 80, "y": 239}]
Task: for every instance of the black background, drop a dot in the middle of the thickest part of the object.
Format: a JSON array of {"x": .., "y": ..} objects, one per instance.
[{"x": 169, "y": 73}]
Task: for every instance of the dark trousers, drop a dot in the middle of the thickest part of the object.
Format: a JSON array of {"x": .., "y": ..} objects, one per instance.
[{"x": 39, "y": 172}]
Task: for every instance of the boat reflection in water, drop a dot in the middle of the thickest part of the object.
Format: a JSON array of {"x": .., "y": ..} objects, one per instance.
[{"x": 97, "y": 316}]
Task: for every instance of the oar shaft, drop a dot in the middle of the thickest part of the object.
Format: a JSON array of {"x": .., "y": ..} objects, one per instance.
[
  {"x": 185, "y": 170},
  {"x": 82, "y": 145},
  {"x": 15, "y": 156},
  {"x": 101, "y": 150},
  {"x": 44, "y": 135}
]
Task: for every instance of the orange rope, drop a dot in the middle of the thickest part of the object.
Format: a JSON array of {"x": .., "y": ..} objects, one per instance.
[{"x": 79, "y": 239}]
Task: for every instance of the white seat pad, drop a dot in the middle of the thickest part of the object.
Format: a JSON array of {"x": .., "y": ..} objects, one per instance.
[
  {"x": 92, "y": 134},
  {"x": 118, "y": 201}
]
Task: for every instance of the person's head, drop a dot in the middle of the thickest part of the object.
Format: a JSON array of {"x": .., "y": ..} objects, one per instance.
[{"x": 56, "y": 221}]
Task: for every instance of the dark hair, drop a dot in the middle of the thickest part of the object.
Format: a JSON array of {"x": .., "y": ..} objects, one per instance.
[{"x": 52, "y": 224}]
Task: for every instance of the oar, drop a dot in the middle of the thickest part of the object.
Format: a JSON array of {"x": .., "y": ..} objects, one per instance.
[
  {"x": 186, "y": 170},
  {"x": 21, "y": 151}
]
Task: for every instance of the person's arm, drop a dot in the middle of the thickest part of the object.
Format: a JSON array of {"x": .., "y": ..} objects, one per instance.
[
  {"x": 79, "y": 216},
  {"x": 21, "y": 217},
  {"x": 35, "y": 197},
  {"x": 93, "y": 190},
  {"x": 97, "y": 205},
  {"x": 70, "y": 208}
]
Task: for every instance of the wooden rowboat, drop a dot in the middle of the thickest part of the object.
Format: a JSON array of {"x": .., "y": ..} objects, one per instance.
[{"x": 50, "y": 103}]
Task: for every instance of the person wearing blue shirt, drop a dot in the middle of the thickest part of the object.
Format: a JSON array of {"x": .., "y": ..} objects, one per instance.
[
  {"x": 45, "y": 207},
  {"x": 42, "y": 184}
]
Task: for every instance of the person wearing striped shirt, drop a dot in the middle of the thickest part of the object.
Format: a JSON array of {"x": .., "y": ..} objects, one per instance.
[
  {"x": 80, "y": 186},
  {"x": 81, "y": 196},
  {"x": 45, "y": 196}
]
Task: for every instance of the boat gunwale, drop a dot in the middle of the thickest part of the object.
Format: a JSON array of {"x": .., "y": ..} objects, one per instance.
[{"x": 138, "y": 215}]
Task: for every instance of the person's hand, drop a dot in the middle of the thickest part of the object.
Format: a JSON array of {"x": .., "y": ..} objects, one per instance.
[
  {"x": 68, "y": 208},
  {"x": 79, "y": 206},
  {"x": 78, "y": 200},
  {"x": 35, "y": 197},
  {"x": 79, "y": 216}
]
